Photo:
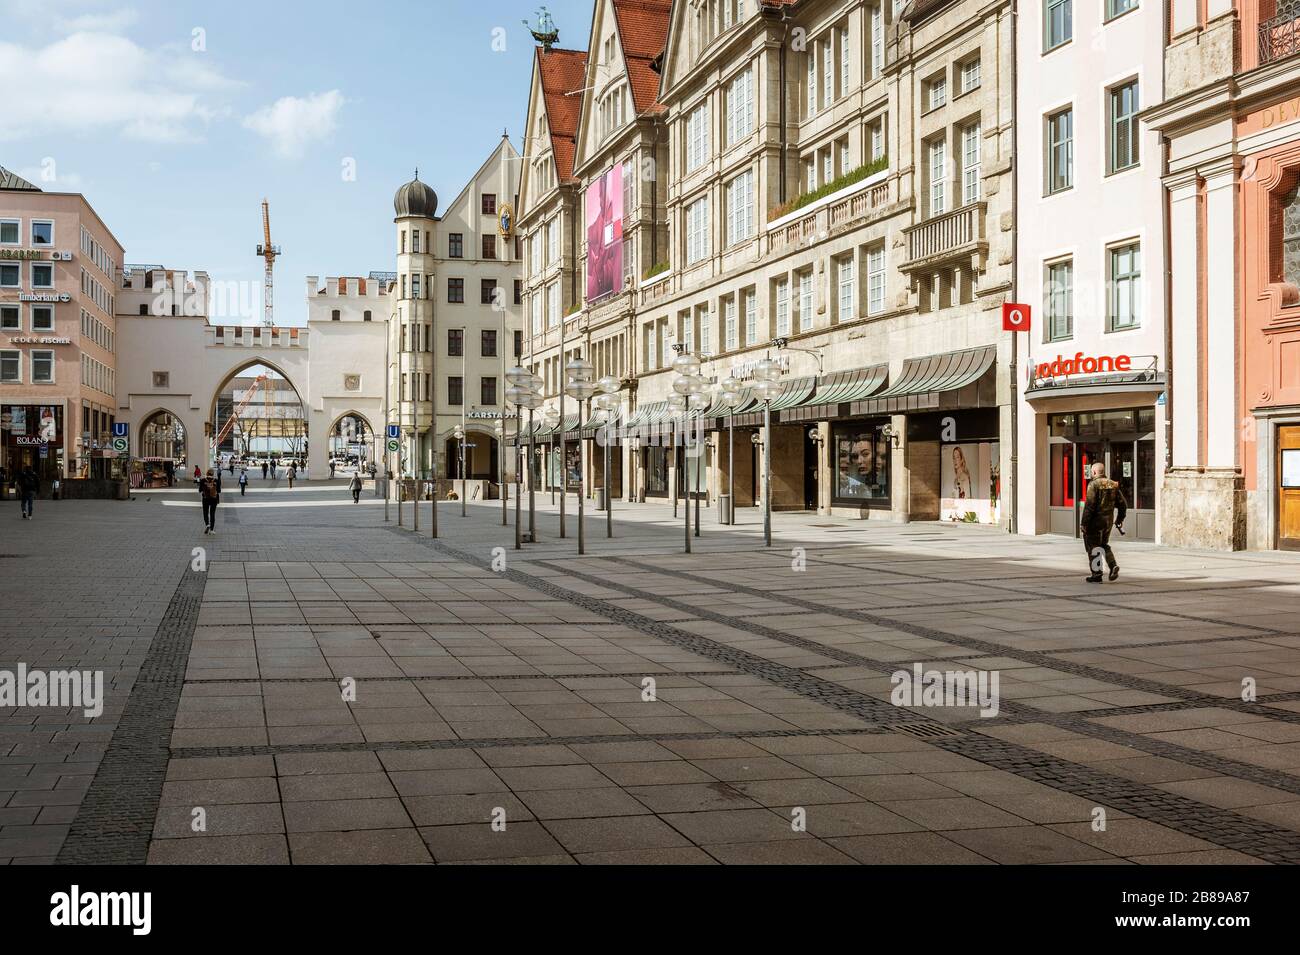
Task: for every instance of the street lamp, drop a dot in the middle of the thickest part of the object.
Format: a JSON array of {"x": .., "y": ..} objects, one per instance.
[
  {"x": 459, "y": 434},
  {"x": 524, "y": 392},
  {"x": 690, "y": 390},
  {"x": 608, "y": 401},
  {"x": 766, "y": 375},
  {"x": 551, "y": 418},
  {"x": 499, "y": 429},
  {"x": 580, "y": 385},
  {"x": 730, "y": 390}
]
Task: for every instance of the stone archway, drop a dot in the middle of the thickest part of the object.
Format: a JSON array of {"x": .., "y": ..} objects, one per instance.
[
  {"x": 352, "y": 434},
  {"x": 161, "y": 449},
  {"x": 258, "y": 412}
]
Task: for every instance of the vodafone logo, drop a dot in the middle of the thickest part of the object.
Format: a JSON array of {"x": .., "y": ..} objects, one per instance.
[
  {"x": 1015, "y": 317},
  {"x": 1083, "y": 365}
]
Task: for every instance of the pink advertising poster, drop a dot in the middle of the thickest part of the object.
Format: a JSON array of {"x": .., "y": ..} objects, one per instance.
[{"x": 605, "y": 234}]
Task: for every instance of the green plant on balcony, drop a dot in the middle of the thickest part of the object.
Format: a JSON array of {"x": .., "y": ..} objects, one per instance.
[
  {"x": 573, "y": 309},
  {"x": 835, "y": 185},
  {"x": 656, "y": 269}
]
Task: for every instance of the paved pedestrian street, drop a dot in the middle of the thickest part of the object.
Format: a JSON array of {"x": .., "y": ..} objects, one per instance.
[{"x": 319, "y": 686}]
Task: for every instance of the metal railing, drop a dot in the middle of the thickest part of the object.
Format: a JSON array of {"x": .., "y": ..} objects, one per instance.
[
  {"x": 1279, "y": 38},
  {"x": 946, "y": 233}
]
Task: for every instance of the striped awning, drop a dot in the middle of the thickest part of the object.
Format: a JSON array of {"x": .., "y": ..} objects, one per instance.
[
  {"x": 597, "y": 423},
  {"x": 796, "y": 391},
  {"x": 958, "y": 379},
  {"x": 837, "y": 389},
  {"x": 570, "y": 422}
]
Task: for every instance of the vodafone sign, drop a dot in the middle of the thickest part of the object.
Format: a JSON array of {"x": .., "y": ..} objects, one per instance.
[
  {"x": 1015, "y": 317},
  {"x": 1082, "y": 364}
]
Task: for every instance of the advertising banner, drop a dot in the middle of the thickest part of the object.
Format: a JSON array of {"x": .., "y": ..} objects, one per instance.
[
  {"x": 604, "y": 218},
  {"x": 970, "y": 482}
]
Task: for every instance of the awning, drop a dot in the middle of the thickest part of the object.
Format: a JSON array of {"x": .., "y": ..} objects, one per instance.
[
  {"x": 838, "y": 389},
  {"x": 597, "y": 423},
  {"x": 950, "y": 380},
  {"x": 796, "y": 391},
  {"x": 648, "y": 420},
  {"x": 1145, "y": 382},
  {"x": 570, "y": 421}
]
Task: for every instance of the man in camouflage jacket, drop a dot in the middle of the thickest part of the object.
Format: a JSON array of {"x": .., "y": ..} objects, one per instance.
[{"x": 1104, "y": 506}]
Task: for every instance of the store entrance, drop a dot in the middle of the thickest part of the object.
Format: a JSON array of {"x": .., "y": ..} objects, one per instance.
[
  {"x": 811, "y": 469},
  {"x": 1288, "y": 492},
  {"x": 1124, "y": 442}
]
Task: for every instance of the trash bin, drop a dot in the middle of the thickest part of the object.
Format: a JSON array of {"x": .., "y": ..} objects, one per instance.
[
  {"x": 601, "y": 504},
  {"x": 725, "y": 513}
]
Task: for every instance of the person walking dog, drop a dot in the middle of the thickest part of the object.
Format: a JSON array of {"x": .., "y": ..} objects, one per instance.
[
  {"x": 210, "y": 493},
  {"x": 1104, "y": 507}
]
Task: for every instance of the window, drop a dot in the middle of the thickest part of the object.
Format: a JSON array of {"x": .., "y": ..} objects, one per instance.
[
  {"x": 1125, "y": 287},
  {"x": 970, "y": 74},
  {"x": 10, "y": 275},
  {"x": 706, "y": 330},
  {"x": 1285, "y": 236},
  {"x": 1115, "y": 8},
  {"x": 629, "y": 189},
  {"x": 844, "y": 283},
  {"x": 11, "y": 366},
  {"x": 751, "y": 317},
  {"x": 1059, "y": 300},
  {"x": 697, "y": 137},
  {"x": 782, "y": 308},
  {"x": 489, "y": 204},
  {"x": 740, "y": 107},
  {"x": 415, "y": 285},
  {"x": 876, "y": 281},
  {"x": 487, "y": 293},
  {"x": 844, "y": 59},
  {"x": 553, "y": 305},
  {"x": 43, "y": 367},
  {"x": 487, "y": 391},
  {"x": 1058, "y": 23},
  {"x": 536, "y": 308},
  {"x": 805, "y": 316},
  {"x": 936, "y": 92},
  {"x": 811, "y": 58},
  {"x": 489, "y": 246},
  {"x": 415, "y": 240},
  {"x": 729, "y": 324},
  {"x": 456, "y": 290},
  {"x": 740, "y": 207},
  {"x": 42, "y": 232},
  {"x": 488, "y": 343},
  {"x": 456, "y": 245},
  {"x": 970, "y": 164},
  {"x": 877, "y": 40},
  {"x": 877, "y": 137},
  {"x": 455, "y": 390},
  {"x": 519, "y": 291},
  {"x": 697, "y": 231},
  {"x": 43, "y": 318},
  {"x": 365, "y": 316},
  {"x": 828, "y": 72},
  {"x": 553, "y": 240},
  {"x": 519, "y": 343},
  {"x": 1123, "y": 108},
  {"x": 1060, "y": 151},
  {"x": 862, "y": 455},
  {"x": 10, "y": 318},
  {"x": 938, "y": 150},
  {"x": 455, "y": 342},
  {"x": 10, "y": 230}
]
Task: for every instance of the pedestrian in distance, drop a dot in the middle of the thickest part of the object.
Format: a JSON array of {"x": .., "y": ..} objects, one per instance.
[
  {"x": 331, "y": 469},
  {"x": 263, "y": 470},
  {"x": 29, "y": 485},
  {"x": 243, "y": 481},
  {"x": 293, "y": 472},
  {"x": 1104, "y": 507},
  {"x": 210, "y": 494},
  {"x": 198, "y": 475},
  {"x": 355, "y": 487}
]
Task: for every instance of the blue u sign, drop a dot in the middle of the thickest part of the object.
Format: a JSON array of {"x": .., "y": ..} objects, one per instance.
[
  {"x": 394, "y": 431},
  {"x": 121, "y": 429}
]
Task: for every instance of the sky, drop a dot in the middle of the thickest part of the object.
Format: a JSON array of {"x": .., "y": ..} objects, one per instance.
[{"x": 176, "y": 119}]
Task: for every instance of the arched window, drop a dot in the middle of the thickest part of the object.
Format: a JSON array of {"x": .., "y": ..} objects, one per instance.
[{"x": 1290, "y": 208}]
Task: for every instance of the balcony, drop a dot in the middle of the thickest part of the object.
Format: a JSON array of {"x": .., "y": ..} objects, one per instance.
[
  {"x": 954, "y": 235},
  {"x": 1279, "y": 38},
  {"x": 835, "y": 212}
]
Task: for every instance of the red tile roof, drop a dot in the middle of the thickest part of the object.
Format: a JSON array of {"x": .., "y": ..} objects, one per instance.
[
  {"x": 562, "y": 72},
  {"x": 642, "y": 32}
]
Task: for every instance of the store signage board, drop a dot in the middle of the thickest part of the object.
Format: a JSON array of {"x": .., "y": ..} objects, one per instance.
[
  {"x": 44, "y": 297},
  {"x": 41, "y": 340},
  {"x": 1082, "y": 364},
  {"x": 1016, "y": 317}
]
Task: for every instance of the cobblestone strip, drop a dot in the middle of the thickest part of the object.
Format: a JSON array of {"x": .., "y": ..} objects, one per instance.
[
  {"x": 282, "y": 749},
  {"x": 115, "y": 821},
  {"x": 1218, "y": 826}
]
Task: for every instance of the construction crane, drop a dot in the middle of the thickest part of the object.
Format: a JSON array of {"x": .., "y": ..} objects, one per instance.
[
  {"x": 258, "y": 382},
  {"x": 268, "y": 252}
]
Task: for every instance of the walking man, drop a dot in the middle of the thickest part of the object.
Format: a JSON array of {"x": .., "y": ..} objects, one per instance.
[
  {"x": 263, "y": 470},
  {"x": 243, "y": 481},
  {"x": 293, "y": 473},
  {"x": 331, "y": 469},
  {"x": 1104, "y": 507},
  {"x": 29, "y": 485},
  {"x": 355, "y": 487},
  {"x": 210, "y": 492}
]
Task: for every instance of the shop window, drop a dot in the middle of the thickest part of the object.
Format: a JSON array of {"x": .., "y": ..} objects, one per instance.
[
  {"x": 1289, "y": 235},
  {"x": 861, "y": 465},
  {"x": 656, "y": 471}
]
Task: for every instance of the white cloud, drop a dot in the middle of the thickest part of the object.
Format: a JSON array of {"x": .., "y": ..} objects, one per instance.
[
  {"x": 293, "y": 123},
  {"x": 92, "y": 82},
  {"x": 114, "y": 22}
]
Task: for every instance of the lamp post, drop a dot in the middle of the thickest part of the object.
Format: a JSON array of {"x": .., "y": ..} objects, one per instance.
[
  {"x": 608, "y": 401},
  {"x": 551, "y": 418},
  {"x": 730, "y": 391},
  {"x": 580, "y": 385},
  {"x": 677, "y": 409},
  {"x": 690, "y": 389},
  {"x": 767, "y": 374},
  {"x": 499, "y": 429},
  {"x": 524, "y": 392},
  {"x": 459, "y": 435}
]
